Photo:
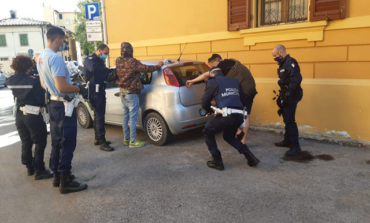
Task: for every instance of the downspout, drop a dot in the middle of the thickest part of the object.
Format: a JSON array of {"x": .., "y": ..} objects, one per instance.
[
  {"x": 42, "y": 34},
  {"x": 104, "y": 27}
]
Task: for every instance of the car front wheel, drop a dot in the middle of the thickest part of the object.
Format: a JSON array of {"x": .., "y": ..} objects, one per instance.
[
  {"x": 83, "y": 116},
  {"x": 156, "y": 129}
]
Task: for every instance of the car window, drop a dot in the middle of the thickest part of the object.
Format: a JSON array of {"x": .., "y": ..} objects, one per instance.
[
  {"x": 188, "y": 72},
  {"x": 110, "y": 85},
  {"x": 146, "y": 78}
]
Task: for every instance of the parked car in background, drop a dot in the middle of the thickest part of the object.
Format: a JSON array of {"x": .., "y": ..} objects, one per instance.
[
  {"x": 2, "y": 79},
  {"x": 167, "y": 106}
]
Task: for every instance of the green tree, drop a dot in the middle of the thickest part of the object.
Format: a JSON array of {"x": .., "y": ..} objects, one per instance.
[{"x": 80, "y": 32}]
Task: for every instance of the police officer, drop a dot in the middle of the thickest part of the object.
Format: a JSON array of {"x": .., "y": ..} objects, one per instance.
[
  {"x": 97, "y": 74},
  {"x": 30, "y": 102},
  {"x": 291, "y": 93},
  {"x": 226, "y": 92},
  {"x": 55, "y": 79}
]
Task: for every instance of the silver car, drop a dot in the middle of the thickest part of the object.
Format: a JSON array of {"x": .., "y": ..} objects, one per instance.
[{"x": 167, "y": 106}]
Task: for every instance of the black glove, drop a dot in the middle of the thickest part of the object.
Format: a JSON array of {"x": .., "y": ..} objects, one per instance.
[
  {"x": 83, "y": 91},
  {"x": 287, "y": 94},
  {"x": 280, "y": 83}
]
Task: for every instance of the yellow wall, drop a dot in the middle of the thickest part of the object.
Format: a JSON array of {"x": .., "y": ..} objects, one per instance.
[{"x": 334, "y": 56}]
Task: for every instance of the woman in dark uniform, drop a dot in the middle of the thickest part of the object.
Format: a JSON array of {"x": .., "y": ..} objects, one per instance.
[{"x": 29, "y": 99}]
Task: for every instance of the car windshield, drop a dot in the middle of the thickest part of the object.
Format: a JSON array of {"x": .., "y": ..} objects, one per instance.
[{"x": 188, "y": 72}]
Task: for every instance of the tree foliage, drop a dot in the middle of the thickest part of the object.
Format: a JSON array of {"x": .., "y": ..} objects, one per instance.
[{"x": 80, "y": 32}]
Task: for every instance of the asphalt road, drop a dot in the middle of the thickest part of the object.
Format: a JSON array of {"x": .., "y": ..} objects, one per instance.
[{"x": 173, "y": 184}]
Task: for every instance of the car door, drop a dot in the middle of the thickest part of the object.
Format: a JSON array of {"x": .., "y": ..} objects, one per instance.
[{"x": 113, "y": 109}]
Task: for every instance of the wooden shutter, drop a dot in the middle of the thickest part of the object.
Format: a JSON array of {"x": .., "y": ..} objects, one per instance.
[
  {"x": 238, "y": 14},
  {"x": 327, "y": 9},
  {"x": 2, "y": 40},
  {"x": 23, "y": 39}
]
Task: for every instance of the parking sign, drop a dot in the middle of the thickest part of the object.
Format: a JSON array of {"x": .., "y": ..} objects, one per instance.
[{"x": 92, "y": 10}]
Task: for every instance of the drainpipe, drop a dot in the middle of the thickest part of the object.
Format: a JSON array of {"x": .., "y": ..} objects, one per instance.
[
  {"x": 42, "y": 35},
  {"x": 104, "y": 26}
]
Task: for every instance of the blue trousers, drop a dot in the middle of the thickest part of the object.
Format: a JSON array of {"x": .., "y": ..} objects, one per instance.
[
  {"x": 99, "y": 113},
  {"x": 229, "y": 125},
  {"x": 63, "y": 132}
]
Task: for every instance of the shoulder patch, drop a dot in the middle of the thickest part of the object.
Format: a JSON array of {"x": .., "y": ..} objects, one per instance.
[{"x": 293, "y": 65}]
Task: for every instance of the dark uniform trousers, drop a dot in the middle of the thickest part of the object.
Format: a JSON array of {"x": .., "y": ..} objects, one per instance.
[
  {"x": 32, "y": 130},
  {"x": 99, "y": 103},
  {"x": 229, "y": 125},
  {"x": 291, "y": 129},
  {"x": 63, "y": 132}
]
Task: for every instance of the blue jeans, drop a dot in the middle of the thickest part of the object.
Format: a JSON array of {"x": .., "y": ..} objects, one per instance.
[{"x": 130, "y": 104}]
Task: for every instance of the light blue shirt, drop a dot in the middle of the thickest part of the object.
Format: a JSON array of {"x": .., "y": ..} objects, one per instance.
[{"x": 49, "y": 65}]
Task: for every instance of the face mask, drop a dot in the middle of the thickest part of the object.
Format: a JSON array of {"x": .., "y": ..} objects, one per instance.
[
  {"x": 61, "y": 48},
  {"x": 279, "y": 59},
  {"x": 103, "y": 56}
]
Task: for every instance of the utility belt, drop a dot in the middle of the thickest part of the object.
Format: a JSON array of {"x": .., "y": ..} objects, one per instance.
[
  {"x": 96, "y": 88},
  {"x": 225, "y": 111},
  {"x": 31, "y": 110},
  {"x": 69, "y": 103},
  {"x": 35, "y": 110}
]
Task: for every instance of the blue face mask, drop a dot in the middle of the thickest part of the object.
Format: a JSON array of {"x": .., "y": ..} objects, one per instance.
[
  {"x": 103, "y": 56},
  {"x": 61, "y": 48}
]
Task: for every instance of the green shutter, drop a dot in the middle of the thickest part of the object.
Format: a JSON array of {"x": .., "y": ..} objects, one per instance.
[
  {"x": 24, "y": 39},
  {"x": 2, "y": 40}
]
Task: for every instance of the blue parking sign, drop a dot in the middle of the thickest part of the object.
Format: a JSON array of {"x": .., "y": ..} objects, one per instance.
[{"x": 92, "y": 10}]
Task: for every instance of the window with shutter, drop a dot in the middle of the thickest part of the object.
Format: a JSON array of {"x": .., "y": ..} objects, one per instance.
[
  {"x": 23, "y": 39},
  {"x": 2, "y": 41},
  {"x": 283, "y": 11},
  {"x": 327, "y": 9},
  {"x": 238, "y": 14}
]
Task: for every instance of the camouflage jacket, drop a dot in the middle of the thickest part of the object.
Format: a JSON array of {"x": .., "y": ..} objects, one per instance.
[{"x": 128, "y": 74}]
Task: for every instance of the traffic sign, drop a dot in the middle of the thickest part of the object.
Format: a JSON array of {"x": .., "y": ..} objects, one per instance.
[
  {"x": 94, "y": 37},
  {"x": 93, "y": 26},
  {"x": 92, "y": 11}
]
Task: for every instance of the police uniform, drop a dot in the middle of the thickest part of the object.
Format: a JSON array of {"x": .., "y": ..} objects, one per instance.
[
  {"x": 291, "y": 93},
  {"x": 63, "y": 121},
  {"x": 226, "y": 92},
  {"x": 97, "y": 73},
  {"x": 30, "y": 102}
]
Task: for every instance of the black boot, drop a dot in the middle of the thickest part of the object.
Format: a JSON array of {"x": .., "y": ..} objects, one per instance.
[
  {"x": 30, "y": 170},
  {"x": 293, "y": 151},
  {"x": 43, "y": 174},
  {"x": 216, "y": 163},
  {"x": 98, "y": 141},
  {"x": 283, "y": 143},
  {"x": 252, "y": 160},
  {"x": 67, "y": 185},
  {"x": 106, "y": 147},
  {"x": 56, "y": 180}
]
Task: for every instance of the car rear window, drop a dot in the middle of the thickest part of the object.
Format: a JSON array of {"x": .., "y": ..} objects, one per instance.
[{"x": 188, "y": 72}]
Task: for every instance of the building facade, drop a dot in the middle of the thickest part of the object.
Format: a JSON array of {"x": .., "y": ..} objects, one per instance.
[
  {"x": 66, "y": 20},
  {"x": 62, "y": 19},
  {"x": 20, "y": 36},
  {"x": 329, "y": 38}
]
